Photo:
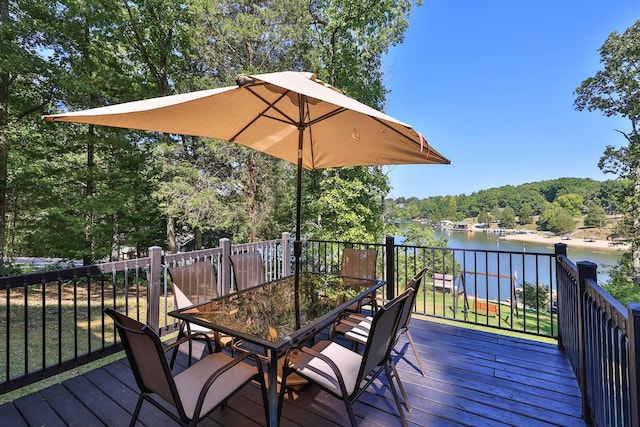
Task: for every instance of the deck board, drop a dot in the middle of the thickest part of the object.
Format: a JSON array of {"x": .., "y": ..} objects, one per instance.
[
  {"x": 71, "y": 410},
  {"x": 472, "y": 377}
]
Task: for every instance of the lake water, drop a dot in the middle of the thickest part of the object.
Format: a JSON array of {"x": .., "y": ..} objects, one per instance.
[{"x": 529, "y": 267}]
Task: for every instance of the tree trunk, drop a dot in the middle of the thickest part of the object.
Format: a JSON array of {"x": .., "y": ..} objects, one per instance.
[
  {"x": 4, "y": 139},
  {"x": 197, "y": 236},
  {"x": 635, "y": 215},
  {"x": 251, "y": 197},
  {"x": 172, "y": 247},
  {"x": 88, "y": 256}
]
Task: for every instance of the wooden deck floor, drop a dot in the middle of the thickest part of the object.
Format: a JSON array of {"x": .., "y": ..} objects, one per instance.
[{"x": 473, "y": 378}]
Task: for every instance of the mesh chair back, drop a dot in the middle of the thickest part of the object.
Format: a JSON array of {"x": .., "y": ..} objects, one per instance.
[
  {"x": 145, "y": 355},
  {"x": 360, "y": 263},
  {"x": 197, "y": 282},
  {"x": 248, "y": 269},
  {"x": 414, "y": 284},
  {"x": 382, "y": 335}
]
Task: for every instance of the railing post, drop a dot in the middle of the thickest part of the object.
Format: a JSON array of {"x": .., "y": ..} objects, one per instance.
[
  {"x": 225, "y": 266},
  {"x": 560, "y": 249},
  {"x": 286, "y": 254},
  {"x": 390, "y": 270},
  {"x": 633, "y": 333},
  {"x": 154, "y": 287},
  {"x": 586, "y": 270}
]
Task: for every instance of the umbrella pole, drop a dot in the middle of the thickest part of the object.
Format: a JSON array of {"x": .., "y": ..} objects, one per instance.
[{"x": 297, "y": 244}]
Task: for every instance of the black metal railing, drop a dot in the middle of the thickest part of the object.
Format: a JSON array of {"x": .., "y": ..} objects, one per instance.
[
  {"x": 53, "y": 320},
  {"x": 602, "y": 339},
  {"x": 508, "y": 290}
]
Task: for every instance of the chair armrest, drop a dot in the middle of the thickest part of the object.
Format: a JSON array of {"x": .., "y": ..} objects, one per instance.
[
  {"x": 189, "y": 338},
  {"x": 357, "y": 323},
  {"x": 213, "y": 377},
  {"x": 357, "y": 332}
]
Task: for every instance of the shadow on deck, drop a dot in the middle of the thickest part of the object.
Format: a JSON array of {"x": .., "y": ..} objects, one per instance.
[{"x": 472, "y": 378}]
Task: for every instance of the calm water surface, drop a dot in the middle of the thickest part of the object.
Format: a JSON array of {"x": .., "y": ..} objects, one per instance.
[{"x": 491, "y": 241}]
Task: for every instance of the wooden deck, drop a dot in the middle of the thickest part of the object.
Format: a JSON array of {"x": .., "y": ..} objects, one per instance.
[{"x": 473, "y": 378}]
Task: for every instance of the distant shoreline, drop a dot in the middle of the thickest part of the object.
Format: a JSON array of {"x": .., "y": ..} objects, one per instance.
[{"x": 576, "y": 242}]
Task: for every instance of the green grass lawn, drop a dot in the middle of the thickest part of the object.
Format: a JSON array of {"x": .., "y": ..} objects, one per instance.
[
  {"x": 537, "y": 322},
  {"x": 55, "y": 329}
]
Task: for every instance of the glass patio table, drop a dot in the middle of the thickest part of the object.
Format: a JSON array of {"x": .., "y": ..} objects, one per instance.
[{"x": 265, "y": 315}]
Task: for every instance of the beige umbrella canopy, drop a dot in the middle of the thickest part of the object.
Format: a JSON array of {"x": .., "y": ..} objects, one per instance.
[
  {"x": 266, "y": 115},
  {"x": 289, "y": 115}
]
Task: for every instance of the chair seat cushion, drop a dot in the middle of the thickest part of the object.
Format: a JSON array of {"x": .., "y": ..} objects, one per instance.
[
  {"x": 347, "y": 361},
  {"x": 190, "y": 381},
  {"x": 355, "y": 327}
]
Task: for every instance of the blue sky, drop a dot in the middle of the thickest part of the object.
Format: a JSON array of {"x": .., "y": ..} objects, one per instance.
[{"x": 490, "y": 85}]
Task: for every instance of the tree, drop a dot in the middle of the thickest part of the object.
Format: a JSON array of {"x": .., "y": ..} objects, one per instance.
[
  {"x": 495, "y": 213},
  {"x": 615, "y": 91},
  {"x": 562, "y": 222},
  {"x": 78, "y": 189},
  {"x": 525, "y": 214},
  {"x": 345, "y": 49},
  {"x": 450, "y": 209},
  {"x": 26, "y": 83},
  {"x": 412, "y": 208},
  {"x": 531, "y": 298},
  {"x": 557, "y": 219},
  {"x": 418, "y": 235},
  {"x": 595, "y": 217},
  {"x": 573, "y": 203},
  {"x": 508, "y": 217},
  {"x": 159, "y": 38},
  {"x": 484, "y": 218},
  {"x": 344, "y": 204}
]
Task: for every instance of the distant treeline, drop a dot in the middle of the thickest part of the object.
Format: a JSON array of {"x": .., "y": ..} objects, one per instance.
[{"x": 577, "y": 195}]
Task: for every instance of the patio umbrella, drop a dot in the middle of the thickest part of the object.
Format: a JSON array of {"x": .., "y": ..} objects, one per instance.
[{"x": 289, "y": 115}]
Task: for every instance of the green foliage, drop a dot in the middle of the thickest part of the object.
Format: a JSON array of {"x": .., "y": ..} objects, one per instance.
[
  {"x": 525, "y": 215},
  {"x": 573, "y": 203},
  {"x": 615, "y": 91},
  {"x": 394, "y": 212},
  {"x": 557, "y": 220},
  {"x": 419, "y": 253},
  {"x": 595, "y": 217},
  {"x": 526, "y": 200},
  {"x": 620, "y": 284},
  {"x": 418, "y": 235},
  {"x": 508, "y": 217},
  {"x": 484, "y": 218},
  {"x": 532, "y": 298},
  {"x": 349, "y": 39},
  {"x": 344, "y": 204},
  {"x": 495, "y": 213},
  {"x": 92, "y": 192}
]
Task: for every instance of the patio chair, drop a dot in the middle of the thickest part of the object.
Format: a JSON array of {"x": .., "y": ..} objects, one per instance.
[
  {"x": 356, "y": 327},
  {"x": 248, "y": 270},
  {"x": 359, "y": 264},
  {"x": 194, "y": 283},
  {"x": 344, "y": 373},
  {"x": 194, "y": 392}
]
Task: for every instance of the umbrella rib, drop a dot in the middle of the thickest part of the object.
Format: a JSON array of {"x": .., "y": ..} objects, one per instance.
[
  {"x": 263, "y": 113},
  {"x": 326, "y": 116}
]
